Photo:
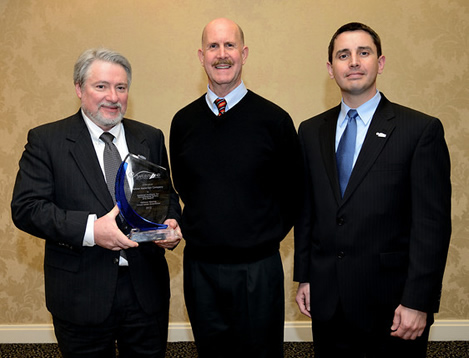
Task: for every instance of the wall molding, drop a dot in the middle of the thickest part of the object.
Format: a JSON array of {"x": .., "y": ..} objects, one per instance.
[{"x": 295, "y": 331}]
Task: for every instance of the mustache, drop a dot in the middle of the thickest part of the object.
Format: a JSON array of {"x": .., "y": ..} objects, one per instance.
[
  {"x": 223, "y": 62},
  {"x": 110, "y": 104}
]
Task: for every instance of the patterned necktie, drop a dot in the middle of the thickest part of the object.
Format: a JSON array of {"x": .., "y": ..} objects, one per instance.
[
  {"x": 346, "y": 150},
  {"x": 112, "y": 161},
  {"x": 221, "y": 104}
]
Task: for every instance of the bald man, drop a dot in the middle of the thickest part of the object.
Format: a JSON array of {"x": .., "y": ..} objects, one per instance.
[{"x": 235, "y": 160}]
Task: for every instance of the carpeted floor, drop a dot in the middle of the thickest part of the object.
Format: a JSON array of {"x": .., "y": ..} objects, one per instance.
[{"x": 187, "y": 350}]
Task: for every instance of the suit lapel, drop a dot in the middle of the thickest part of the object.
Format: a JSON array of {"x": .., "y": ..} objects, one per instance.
[
  {"x": 135, "y": 138},
  {"x": 327, "y": 143},
  {"x": 84, "y": 155},
  {"x": 378, "y": 134}
]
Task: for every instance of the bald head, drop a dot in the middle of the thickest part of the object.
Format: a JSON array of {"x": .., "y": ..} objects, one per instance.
[
  {"x": 222, "y": 23},
  {"x": 223, "y": 55}
]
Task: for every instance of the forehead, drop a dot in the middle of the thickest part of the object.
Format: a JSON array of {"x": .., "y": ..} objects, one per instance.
[
  {"x": 221, "y": 31},
  {"x": 352, "y": 40},
  {"x": 108, "y": 71}
]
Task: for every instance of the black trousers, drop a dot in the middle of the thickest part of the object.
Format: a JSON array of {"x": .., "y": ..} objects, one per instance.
[
  {"x": 339, "y": 337},
  {"x": 236, "y": 310},
  {"x": 136, "y": 333}
]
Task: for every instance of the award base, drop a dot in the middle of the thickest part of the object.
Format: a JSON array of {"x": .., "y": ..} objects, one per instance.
[{"x": 153, "y": 235}]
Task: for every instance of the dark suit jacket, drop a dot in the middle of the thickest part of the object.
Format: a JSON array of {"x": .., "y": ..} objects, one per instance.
[
  {"x": 59, "y": 184},
  {"x": 385, "y": 243}
]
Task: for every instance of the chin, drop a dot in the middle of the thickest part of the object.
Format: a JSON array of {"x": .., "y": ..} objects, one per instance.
[{"x": 108, "y": 122}]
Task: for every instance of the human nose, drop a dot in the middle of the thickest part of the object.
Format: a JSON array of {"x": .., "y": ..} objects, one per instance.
[
  {"x": 112, "y": 95},
  {"x": 221, "y": 52},
  {"x": 354, "y": 60}
]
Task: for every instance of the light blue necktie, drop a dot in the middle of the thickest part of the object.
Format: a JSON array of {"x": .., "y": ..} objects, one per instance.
[{"x": 346, "y": 150}]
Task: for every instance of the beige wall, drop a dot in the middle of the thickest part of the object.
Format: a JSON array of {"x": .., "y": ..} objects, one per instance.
[{"x": 427, "y": 68}]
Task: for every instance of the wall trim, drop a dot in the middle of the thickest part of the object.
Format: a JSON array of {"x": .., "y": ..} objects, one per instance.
[{"x": 295, "y": 331}]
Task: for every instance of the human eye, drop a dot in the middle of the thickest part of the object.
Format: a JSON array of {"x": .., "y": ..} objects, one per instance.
[
  {"x": 100, "y": 86},
  {"x": 122, "y": 88},
  {"x": 212, "y": 46},
  {"x": 365, "y": 51},
  {"x": 342, "y": 56}
]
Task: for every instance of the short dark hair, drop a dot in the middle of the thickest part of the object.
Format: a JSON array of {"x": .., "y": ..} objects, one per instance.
[{"x": 355, "y": 26}]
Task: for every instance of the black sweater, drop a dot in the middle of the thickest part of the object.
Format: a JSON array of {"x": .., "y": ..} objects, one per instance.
[{"x": 238, "y": 177}]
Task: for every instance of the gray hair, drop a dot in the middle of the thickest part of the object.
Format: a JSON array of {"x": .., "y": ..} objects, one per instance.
[{"x": 82, "y": 66}]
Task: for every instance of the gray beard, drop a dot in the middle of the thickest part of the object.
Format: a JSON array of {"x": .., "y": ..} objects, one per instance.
[{"x": 100, "y": 121}]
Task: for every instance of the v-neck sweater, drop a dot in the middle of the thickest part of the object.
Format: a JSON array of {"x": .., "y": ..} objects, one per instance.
[{"x": 237, "y": 175}]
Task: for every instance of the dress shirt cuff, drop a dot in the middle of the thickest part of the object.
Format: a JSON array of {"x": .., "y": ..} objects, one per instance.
[{"x": 88, "y": 239}]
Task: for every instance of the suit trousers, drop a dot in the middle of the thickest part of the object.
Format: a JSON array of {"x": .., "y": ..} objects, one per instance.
[
  {"x": 236, "y": 310},
  {"x": 339, "y": 337},
  {"x": 136, "y": 333}
]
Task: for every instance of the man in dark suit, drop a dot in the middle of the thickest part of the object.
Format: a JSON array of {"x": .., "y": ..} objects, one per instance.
[
  {"x": 371, "y": 246},
  {"x": 100, "y": 286}
]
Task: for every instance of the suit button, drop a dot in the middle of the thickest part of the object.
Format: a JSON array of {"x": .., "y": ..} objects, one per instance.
[
  {"x": 340, "y": 221},
  {"x": 116, "y": 260},
  {"x": 341, "y": 255}
]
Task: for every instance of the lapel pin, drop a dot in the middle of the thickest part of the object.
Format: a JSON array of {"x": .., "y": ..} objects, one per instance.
[{"x": 381, "y": 135}]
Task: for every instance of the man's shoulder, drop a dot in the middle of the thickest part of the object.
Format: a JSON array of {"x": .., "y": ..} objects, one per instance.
[
  {"x": 264, "y": 104},
  {"x": 319, "y": 119},
  {"x": 133, "y": 124},
  {"x": 406, "y": 117},
  {"x": 402, "y": 110},
  {"x": 399, "y": 109},
  {"x": 196, "y": 105},
  {"x": 63, "y": 124}
]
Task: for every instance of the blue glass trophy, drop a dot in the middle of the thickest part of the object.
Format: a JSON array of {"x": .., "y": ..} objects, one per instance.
[{"x": 143, "y": 196}]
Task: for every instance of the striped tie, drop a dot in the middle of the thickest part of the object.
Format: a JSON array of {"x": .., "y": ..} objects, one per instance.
[{"x": 221, "y": 104}]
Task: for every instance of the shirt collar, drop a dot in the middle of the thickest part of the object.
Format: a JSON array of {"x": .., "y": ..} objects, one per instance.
[
  {"x": 365, "y": 111},
  {"x": 231, "y": 98}
]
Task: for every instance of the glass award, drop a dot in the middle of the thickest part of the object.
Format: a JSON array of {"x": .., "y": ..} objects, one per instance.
[{"x": 143, "y": 196}]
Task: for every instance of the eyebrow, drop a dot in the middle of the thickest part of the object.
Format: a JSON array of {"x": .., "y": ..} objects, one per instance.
[
  {"x": 107, "y": 83},
  {"x": 360, "y": 48},
  {"x": 224, "y": 43},
  {"x": 370, "y": 49}
]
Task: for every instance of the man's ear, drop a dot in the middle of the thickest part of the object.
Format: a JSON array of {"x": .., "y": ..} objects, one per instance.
[
  {"x": 244, "y": 54},
  {"x": 78, "y": 90},
  {"x": 329, "y": 69},
  {"x": 381, "y": 62},
  {"x": 200, "y": 53}
]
